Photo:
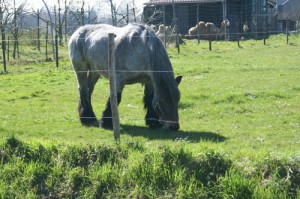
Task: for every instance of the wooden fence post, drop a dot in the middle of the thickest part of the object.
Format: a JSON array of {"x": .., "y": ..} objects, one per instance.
[
  {"x": 287, "y": 31},
  {"x": 46, "y": 44},
  {"x": 38, "y": 31},
  {"x": 8, "y": 48},
  {"x": 197, "y": 24},
  {"x": 209, "y": 38},
  {"x": 3, "y": 48},
  {"x": 56, "y": 50},
  {"x": 238, "y": 32},
  {"x": 113, "y": 91}
]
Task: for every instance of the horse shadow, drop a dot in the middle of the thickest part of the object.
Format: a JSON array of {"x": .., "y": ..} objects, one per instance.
[{"x": 161, "y": 134}]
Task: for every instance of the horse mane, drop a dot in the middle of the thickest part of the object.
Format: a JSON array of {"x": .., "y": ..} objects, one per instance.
[{"x": 161, "y": 66}]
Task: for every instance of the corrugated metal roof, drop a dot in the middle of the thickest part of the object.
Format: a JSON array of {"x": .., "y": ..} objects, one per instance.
[{"x": 156, "y": 2}]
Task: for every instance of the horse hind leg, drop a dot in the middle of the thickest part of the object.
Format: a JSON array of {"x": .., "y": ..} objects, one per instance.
[
  {"x": 86, "y": 114},
  {"x": 151, "y": 118},
  {"x": 92, "y": 80}
]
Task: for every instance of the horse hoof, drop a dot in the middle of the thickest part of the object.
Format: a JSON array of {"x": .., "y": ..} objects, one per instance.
[
  {"x": 153, "y": 124},
  {"x": 89, "y": 122},
  {"x": 106, "y": 124}
]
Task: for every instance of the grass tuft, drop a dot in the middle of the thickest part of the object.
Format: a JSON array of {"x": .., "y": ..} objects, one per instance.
[{"x": 133, "y": 171}]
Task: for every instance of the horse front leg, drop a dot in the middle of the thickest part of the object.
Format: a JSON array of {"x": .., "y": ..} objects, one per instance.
[
  {"x": 86, "y": 114},
  {"x": 106, "y": 121},
  {"x": 151, "y": 118}
]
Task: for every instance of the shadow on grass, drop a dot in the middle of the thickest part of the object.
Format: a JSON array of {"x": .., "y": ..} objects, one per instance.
[{"x": 161, "y": 134}]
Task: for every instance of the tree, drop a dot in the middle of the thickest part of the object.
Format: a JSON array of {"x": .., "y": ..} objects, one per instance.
[
  {"x": 78, "y": 13},
  {"x": 18, "y": 13},
  {"x": 60, "y": 18},
  {"x": 50, "y": 18},
  {"x": 126, "y": 12},
  {"x": 113, "y": 13},
  {"x": 82, "y": 14},
  {"x": 5, "y": 16}
]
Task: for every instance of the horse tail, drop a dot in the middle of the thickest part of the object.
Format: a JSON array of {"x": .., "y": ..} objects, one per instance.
[{"x": 81, "y": 42}]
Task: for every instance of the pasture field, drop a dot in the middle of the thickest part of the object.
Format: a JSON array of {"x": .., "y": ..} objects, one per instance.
[{"x": 239, "y": 136}]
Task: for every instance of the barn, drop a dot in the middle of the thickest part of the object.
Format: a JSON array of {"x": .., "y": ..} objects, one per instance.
[
  {"x": 288, "y": 15},
  {"x": 258, "y": 15}
]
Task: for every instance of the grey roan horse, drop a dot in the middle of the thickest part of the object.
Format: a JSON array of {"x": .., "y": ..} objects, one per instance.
[{"x": 140, "y": 57}]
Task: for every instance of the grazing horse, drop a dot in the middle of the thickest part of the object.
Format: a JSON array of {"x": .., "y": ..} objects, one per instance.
[{"x": 140, "y": 57}]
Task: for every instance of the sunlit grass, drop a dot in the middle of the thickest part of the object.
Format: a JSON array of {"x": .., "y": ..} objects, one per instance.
[{"x": 240, "y": 104}]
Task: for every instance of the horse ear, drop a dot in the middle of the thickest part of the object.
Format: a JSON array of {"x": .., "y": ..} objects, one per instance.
[{"x": 178, "y": 79}]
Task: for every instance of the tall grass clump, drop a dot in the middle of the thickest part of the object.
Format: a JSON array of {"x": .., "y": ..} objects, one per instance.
[
  {"x": 133, "y": 171},
  {"x": 28, "y": 170},
  {"x": 282, "y": 176}
]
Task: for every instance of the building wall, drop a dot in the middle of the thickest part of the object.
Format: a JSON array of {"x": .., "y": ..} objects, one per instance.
[
  {"x": 182, "y": 15},
  {"x": 239, "y": 12},
  {"x": 186, "y": 15},
  {"x": 289, "y": 11}
]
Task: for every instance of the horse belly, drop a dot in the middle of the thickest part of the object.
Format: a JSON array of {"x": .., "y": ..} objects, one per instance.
[{"x": 142, "y": 79}]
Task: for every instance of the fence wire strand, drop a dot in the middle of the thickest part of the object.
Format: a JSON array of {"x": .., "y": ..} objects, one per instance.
[{"x": 126, "y": 118}]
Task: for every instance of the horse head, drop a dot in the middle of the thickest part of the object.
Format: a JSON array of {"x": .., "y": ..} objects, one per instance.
[{"x": 166, "y": 105}]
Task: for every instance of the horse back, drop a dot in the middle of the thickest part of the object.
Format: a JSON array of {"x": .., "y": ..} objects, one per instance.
[
  {"x": 135, "y": 48},
  {"x": 88, "y": 45}
]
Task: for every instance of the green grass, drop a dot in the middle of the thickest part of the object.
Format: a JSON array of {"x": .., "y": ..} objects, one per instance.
[
  {"x": 133, "y": 171},
  {"x": 239, "y": 135}
]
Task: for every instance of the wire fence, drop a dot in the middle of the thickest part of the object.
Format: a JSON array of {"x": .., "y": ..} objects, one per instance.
[
  {"x": 30, "y": 35},
  {"x": 260, "y": 27},
  {"x": 126, "y": 118},
  {"x": 33, "y": 39},
  {"x": 45, "y": 51}
]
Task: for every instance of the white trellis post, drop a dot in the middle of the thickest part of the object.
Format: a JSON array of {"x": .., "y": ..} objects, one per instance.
[{"x": 113, "y": 90}]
